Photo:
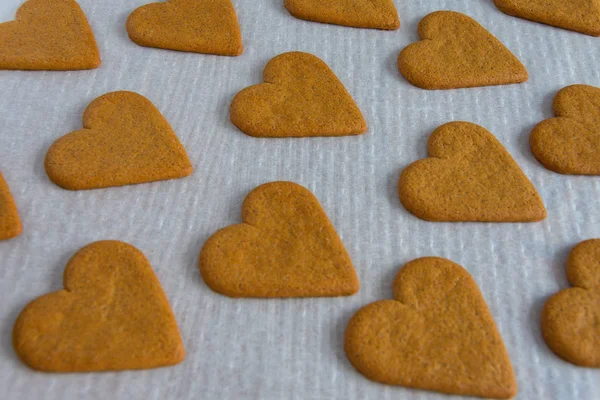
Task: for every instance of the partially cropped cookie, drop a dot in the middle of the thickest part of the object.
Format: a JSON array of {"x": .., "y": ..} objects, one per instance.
[
  {"x": 570, "y": 319},
  {"x": 125, "y": 140},
  {"x": 301, "y": 97},
  {"x": 284, "y": 247},
  {"x": 111, "y": 315},
  {"x": 570, "y": 143},
  {"x": 575, "y": 15},
  {"x": 377, "y": 14},
  {"x": 10, "y": 223},
  {"x": 48, "y": 35},
  {"x": 437, "y": 334},
  {"x": 201, "y": 26},
  {"x": 469, "y": 176},
  {"x": 457, "y": 52}
]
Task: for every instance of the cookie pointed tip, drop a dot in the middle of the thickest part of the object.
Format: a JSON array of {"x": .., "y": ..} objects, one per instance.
[
  {"x": 393, "y": 23},
  {"x": 186, "y": 170}
]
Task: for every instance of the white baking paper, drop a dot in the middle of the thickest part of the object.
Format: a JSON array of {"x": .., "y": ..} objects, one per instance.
[{"x": 291, "y": 349}]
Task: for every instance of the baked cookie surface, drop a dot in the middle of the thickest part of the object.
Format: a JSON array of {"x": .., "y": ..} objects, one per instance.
[
  {"x": 201, "y": 26},
  {"x": 111, "y": 315},
  {"x": 301, "y": 97},
  {"x": 48, "y": 35},
  {"x": 437, "y": 334},
  {"x": 469, "y": 176},
  {"x": 285, "y": 247},
  {"x": 125, "y": 140},
  {"x": 10, "y": 223},
  {"x": 570, "y": 142},
  {"x": 378, "y": 14},
  {"x": 576, "y": 15},
  {"x": 457, "y": 52},
  {"x": 570, "y": 318}
]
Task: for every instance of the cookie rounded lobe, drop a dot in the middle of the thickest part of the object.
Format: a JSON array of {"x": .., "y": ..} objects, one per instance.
[
  {"x": 549, "y": 145},
  {"x": 408, "y": 186},
  {"x": 381, "y": 314},
  {"x": 222, "y": 279},
  {"x": 570, "y": 326},
  {"x": 583, "y": 265}
]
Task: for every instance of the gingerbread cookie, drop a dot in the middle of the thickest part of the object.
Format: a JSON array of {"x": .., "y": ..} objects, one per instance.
[
  {"x": 10, "y": 223},
  {"x": 48, "y": 35},
  {"x": 378, "y": 14},
  {"x": 457, "y": 52},
  {"x": 201, "y": 26},
  {"x": 576, "y": 15},
  {"x": 468, "y": 176},
  {"x": 111, "y": 315},
  {"x": 437, "y": 334},
  {"x": 570, "y": 319},
  {"x": 301, "y": 97},
  {"x": 570, "y": 143},
  {"x": 125, "y": 141},
  {"x": 285, "y": 247}
]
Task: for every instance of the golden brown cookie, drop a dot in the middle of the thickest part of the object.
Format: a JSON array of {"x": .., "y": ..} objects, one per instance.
[
  {"x": 48, "y": 35},
  {"x": 201, "y": 26},
  {"x": 437, "y": 334},
  {"x": 301, "y": 97},
  {"x": 378, "y": 14},
  {"x": 576, "y": 15},
  {"x": 570, "y": 143},
  {"x": 111, "y": 315},
  {"x": 457, "y": 52},
  {"x": 125, "y": 140},
  {"x": 10, "y": 223},
  {"x": 468, "y": 176},
  {"x": 571, "y": 318},
  {"x": 285, "y": 247}
]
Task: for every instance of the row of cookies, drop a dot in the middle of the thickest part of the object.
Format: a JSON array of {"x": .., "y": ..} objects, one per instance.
[
  {"x": 437, "y": 62},
  {"x": 126, "y": 140},
  {"x": 113, "y": 314}
]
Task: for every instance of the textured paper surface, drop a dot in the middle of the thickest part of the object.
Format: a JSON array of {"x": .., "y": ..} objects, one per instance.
[{"x": 274, "y": 349}]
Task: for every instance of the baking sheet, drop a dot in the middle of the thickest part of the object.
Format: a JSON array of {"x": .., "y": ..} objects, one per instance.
[{"x": 274, "y": 349}]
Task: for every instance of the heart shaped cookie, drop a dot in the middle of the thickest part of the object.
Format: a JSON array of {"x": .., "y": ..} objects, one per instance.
[
  {"x": 301, "y": 97},
  {"x": 457, "y": 52},
  {"x": 48, "y": 35},
  {"x": 285, "y": 247},
  {"x": 378, "y": 14},
  {"x": 125, "y": 141},
  {"x": 468, "y": 177},
  {"x": 576, "y": 15},
  {"x": 111, "y": 315},
  {"x": 571, "y": 318},
  {"x": 10, "y": 223},
  {"x": 570, "y": 143},
  {"x": 201, "y": 26},
  {"x": 437, "y": 334}
]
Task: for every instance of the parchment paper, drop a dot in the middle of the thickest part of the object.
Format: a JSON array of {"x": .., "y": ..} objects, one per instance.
[{"x": 292, "y": 349}]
